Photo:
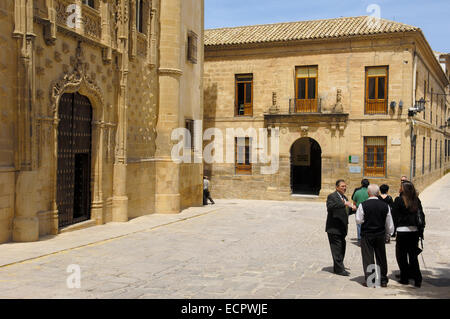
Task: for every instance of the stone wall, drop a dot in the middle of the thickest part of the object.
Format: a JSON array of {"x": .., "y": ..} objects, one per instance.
[{"x": 341, "y": 65}]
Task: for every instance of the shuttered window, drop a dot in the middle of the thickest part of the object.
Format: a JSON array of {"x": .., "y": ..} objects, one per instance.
[
  {"x": 243, "y": 146},
  {"x": 376, "y": 90},
  {"x": 244, "y": 94},
  {"x": 306, "y": 89},
  {"x": 375, "y": 156}
]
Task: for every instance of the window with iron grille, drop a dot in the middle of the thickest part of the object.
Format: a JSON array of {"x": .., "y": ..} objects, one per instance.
[
  {"x": 375, "y": 156},
  {"x": 243, "y": 147},
  {"x": 192, "y": 47},
  {"x": 90, "y": 3},
  {"x": 423, "y": 156},
  {"x": 376, "y": 90},
  {"x": 140, "y": 16},
  {"x": 306, "y": 89},
  {"x": 244, "y": 94}
]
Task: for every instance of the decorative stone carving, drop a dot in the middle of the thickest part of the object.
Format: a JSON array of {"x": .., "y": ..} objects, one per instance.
[
  {"x": 65, "y": 48},
  {"x": 39, "y": 50},
  {"x": 48, "y": 63},
  {"x": 338, "y": 108},
  {"x": 40, "y": 70},
  {"x": 58, "y": 57},
  {"x": 274, "y": 109},
  {"x": 74, "y": 80}
]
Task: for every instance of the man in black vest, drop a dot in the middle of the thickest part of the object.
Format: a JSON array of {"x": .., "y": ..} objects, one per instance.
[
  {"x": 375, "y": 218},
  {"x": 338, "y": 208}
]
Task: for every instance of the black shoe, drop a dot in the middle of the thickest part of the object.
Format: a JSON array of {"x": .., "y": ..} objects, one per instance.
[
  {"x": 384, "y": 284},
  {"x": 418, "y": 284},
  {"x": 403, "y": 282},
  {"x": 343, "y": 273}
]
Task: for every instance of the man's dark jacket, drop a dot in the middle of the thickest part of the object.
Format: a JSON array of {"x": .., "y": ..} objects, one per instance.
[{"x": 337, "y": 219}]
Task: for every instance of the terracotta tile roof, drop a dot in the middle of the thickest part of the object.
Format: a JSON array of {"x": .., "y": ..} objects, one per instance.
[{"x": 302, "y": 30}]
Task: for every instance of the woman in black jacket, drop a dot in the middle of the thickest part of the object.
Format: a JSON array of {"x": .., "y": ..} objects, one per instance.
[{"x": 404, "y": 214}]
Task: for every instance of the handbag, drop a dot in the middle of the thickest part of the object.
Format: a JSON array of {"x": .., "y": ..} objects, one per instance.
[{"x": 420, "y": 222}]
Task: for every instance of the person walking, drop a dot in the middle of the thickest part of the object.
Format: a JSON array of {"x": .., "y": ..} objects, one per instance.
[
  {"x": 206, "y": 193},
  {"x": 375, "y": 219},
  {"x": 385, "y": 197},
  {"x": 358, "y": 197},
  {"x": 405, "y": 210},
  {"x": 338, "y": 209}
]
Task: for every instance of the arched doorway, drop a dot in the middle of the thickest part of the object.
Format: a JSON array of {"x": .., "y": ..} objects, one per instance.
[
  {"x": 74, "y": 159},
  {"x": 306, "y": 167}
]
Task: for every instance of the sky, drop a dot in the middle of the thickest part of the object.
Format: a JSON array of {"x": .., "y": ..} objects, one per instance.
[{"x": 432, "y": 16}]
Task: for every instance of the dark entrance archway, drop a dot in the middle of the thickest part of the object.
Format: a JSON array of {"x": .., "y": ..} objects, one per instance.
[
  {"x": 306, "y": 167},
  {"x": 74, "y": 159}
]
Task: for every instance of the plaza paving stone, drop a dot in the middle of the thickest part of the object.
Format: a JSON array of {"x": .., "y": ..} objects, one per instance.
[{"x": 234, "y": 249}]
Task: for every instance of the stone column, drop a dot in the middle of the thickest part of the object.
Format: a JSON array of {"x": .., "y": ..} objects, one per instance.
[
  {"x": 26, "y": 222},
  {"x": 120, "y": 198},
  {"x": 167, "y": 191}
]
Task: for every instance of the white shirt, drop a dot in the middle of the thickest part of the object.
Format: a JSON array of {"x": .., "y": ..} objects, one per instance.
[
  {"x": 205, "y": 184},
  {"x": 389, "y": 222}
]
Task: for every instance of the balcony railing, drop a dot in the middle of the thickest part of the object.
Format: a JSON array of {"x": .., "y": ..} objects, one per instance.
[
  {"x": 305, "y": 106},
  {"x": 376, "y": 106}
]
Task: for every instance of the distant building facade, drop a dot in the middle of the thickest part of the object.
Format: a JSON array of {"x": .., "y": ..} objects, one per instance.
[
  {"x": 339, "y": 90},
  {"x": 91, "y": 91}
]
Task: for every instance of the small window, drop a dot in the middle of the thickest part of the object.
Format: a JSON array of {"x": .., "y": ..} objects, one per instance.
[
  {"x": 376, "y": 90},
  {"x": 431, "y": 145},
  {"x": 306, "y": 89},
  {"x": 190, "y": 128},
  {"x": 244, "y": 95},
  {"x": 375, "y": 156},
  {"x": 435, "y": 155},
  {"x": 90, "y": 3},
  {"x": 140, "y": 16},
  {"x": 423, "y": 156},
  {"x": 243, "y": 154},
  {"x": 192, "y": 47},
  {"x": 424, "y": 96},
  {"x": 431, "y": 107}
]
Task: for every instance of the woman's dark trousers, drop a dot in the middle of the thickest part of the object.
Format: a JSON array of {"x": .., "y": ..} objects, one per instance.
[{"x": 407, "y": 257}]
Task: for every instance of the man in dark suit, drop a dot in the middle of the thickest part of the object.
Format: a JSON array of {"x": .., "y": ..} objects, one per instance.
[{"x": 339, "y": 208}]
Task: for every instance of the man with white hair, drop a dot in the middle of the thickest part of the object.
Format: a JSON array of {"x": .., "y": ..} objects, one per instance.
[{"x": 375, "y": 219}]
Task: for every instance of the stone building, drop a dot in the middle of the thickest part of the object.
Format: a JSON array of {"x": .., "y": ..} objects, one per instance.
[
  {"x": 91, "y": 90},
  {"x": 339, "y": 90}
]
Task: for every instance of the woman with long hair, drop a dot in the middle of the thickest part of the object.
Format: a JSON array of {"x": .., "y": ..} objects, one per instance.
[{"x": 404, "y": 213}]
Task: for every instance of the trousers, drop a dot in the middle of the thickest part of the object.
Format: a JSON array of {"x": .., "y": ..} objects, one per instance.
[
  {"x": 337, "y": 245},
  {"x": 406, "y": 252},
  {"x": 374, "y": 247}
]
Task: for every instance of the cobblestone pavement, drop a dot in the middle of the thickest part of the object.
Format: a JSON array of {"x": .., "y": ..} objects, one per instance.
[{"x": 234, "y": 249}]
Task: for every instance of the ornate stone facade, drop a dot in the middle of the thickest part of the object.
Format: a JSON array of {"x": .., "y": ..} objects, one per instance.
[{"x": 59, "y": 47}]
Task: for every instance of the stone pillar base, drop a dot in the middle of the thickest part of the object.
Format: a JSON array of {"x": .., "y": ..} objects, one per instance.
[
  {"x": 120, "y": 209},
  {"x": 97, "y": 213},
  {"x": 167, "y": 204},
  {"x": 26, "y": 229}
]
